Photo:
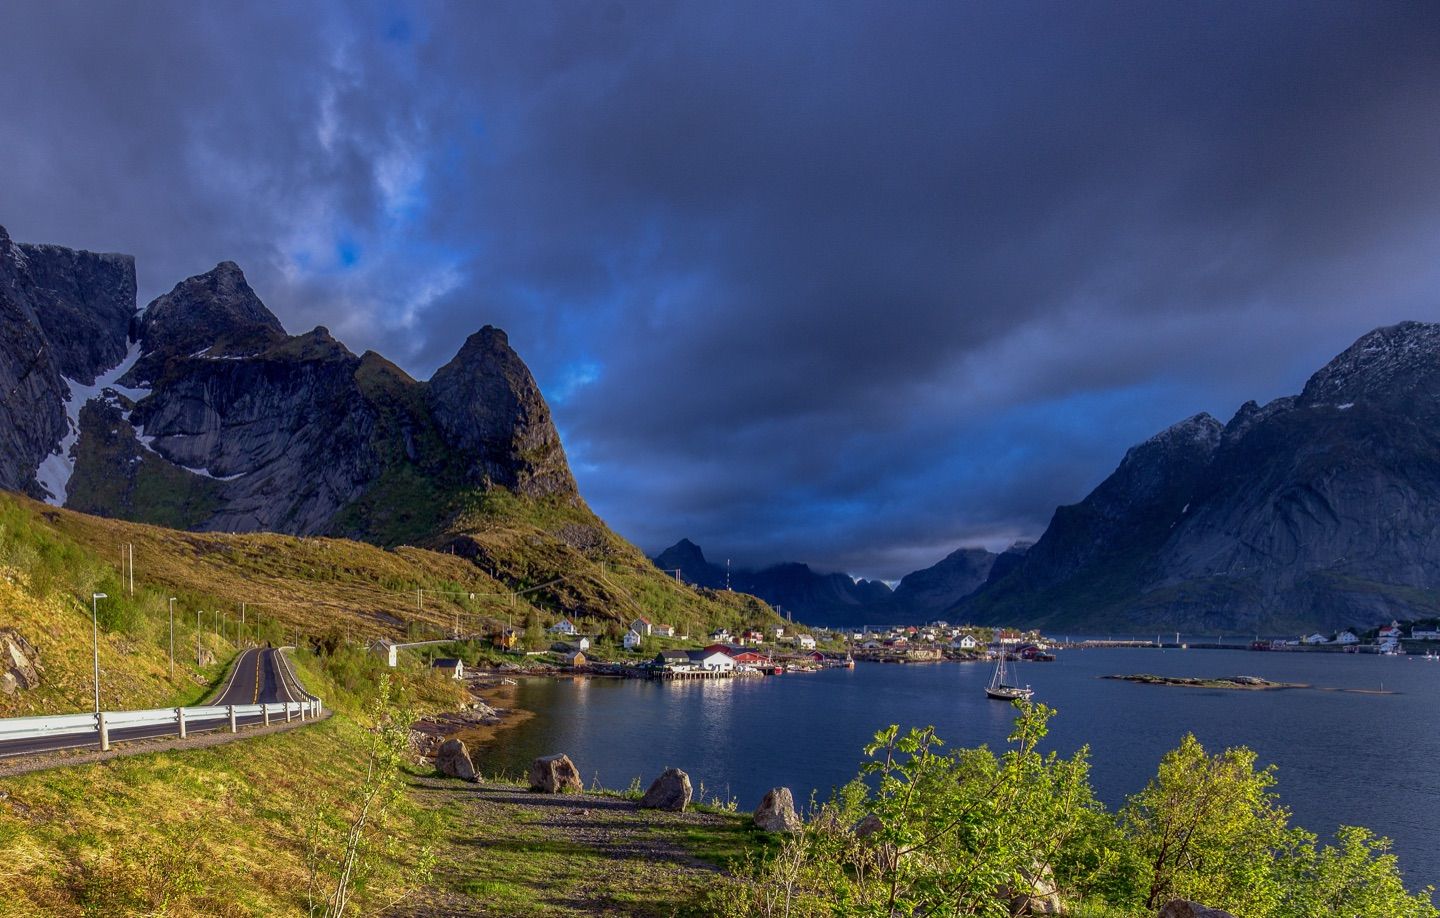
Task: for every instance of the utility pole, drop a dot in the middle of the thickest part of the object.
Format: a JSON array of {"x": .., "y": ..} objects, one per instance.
[
  {"x": 95, "y": 640},
  {"x": 132, "y": 570},
  {"x": 197, "y": 637},
  {"x": 419, "y": 607},
  {"x": 727, "y": 575},
  {"x": 172, "y": 637}
]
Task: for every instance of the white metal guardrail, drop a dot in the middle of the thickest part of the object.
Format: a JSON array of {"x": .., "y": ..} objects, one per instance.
[
  {"x": 181, "y": 719},
  {"x": 82, "y": 727}
]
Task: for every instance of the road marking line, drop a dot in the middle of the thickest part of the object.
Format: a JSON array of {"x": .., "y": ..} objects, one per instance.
[{"x": 233, "y": 673}]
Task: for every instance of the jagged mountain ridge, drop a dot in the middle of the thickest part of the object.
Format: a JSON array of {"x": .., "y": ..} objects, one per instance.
[
  {"x": 1315, "y": 510},
  {"x": 837, "y": 599},
  {"x": 201, "y": 412}
]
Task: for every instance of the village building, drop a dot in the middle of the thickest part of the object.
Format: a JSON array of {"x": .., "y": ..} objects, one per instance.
[
  {"x": 964, "y": 642},
  {"x": 805, "y": 642},
  {"x": 573, "y": 658},
  {"x": 711, "y": 660},
  {"x": 672, "y": 659},
  {"x": 451, "y": 667},
  {"x": 1423, "y": 634},
  {"x": 384, "y": 647},
  {"x": 663, "y": 630},
  {"x": 564, "y": 626},
  {"x": 1316, "y": 638},
  {"x": 1345, "y": 637},
  {"x": 579, "y": 645},
  {"x": 642, "y": 626},
  {"x": 632, "y": 639}
]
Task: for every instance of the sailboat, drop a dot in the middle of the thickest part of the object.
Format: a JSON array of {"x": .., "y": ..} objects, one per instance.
[{"x": 1002, "y": 691}]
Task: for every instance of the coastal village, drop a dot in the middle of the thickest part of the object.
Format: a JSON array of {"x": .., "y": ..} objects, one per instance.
[{"x": 655, "y": 650}]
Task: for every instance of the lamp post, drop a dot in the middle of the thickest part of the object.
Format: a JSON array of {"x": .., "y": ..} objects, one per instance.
[
  {"x": 198, "y": 613},
  {"x": 172, "y": 637},
  {"x": 95, "y": 640}
]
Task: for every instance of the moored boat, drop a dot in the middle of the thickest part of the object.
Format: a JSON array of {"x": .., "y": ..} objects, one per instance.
[{"x": 1000, "y": 690}]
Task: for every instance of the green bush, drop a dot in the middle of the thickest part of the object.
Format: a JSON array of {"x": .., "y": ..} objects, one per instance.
[{"x": 967, "y": 832}]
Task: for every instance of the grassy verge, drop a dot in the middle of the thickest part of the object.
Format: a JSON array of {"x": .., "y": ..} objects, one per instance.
[{"x": 218, "y": 831}]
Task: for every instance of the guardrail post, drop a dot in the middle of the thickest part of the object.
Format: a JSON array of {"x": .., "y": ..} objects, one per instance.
[
  {"x": 104, "y": 731},
  {"x": 231, "y": 709},
  {"x": 288, "y": 710},
  {"x": 180, "y": 719},
  {"x": 265, "y": 710}
]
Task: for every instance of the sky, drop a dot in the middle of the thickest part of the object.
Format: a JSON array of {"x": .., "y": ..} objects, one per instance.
[{"x": 853, "y": 284}]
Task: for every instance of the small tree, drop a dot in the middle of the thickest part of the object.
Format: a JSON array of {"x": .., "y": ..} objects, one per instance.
[
  {"x": 534, "y": 631},
  {"x": 346, "y": 840},
  {"x": 1208, "y": 828}
]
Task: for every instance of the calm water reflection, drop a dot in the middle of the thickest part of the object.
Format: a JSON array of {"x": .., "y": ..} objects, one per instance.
[{"x": 1343, "y": 757}]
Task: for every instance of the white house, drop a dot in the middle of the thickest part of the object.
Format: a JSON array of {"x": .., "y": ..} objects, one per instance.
[
  {"x": 1347, "y": 638},
  {"x": 720, "y": 634},
  {"x": 1421, "y": 634},
  {"x": 1390, "y": 632},
  {"x": 712, "y": 660},
  {"x": 964, "y": 642},
  {"x": 777, "y": 631},
  {"x": 1315, "y": 639},
  {"x": 642, "y": 626},
  {"x": 663, "y": 630},
  {"x": 805, "y": 642},
  {"x": 564, "y": 626},
  {"x": 632, "y": 639}
]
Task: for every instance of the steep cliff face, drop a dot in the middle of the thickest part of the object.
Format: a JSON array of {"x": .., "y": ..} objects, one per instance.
[
  {"x": 63, "y": 313},
  {"x": 202, "y": 412},
  {"x": 1313, "y": 511}
]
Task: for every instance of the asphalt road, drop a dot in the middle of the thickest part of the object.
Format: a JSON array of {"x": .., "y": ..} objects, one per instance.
[{"x": 257, "y": 677}]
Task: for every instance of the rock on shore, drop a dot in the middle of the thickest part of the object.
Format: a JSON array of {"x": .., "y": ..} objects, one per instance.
[
  {"x": 555, "y": 774},
  {"x": 671, "y": 791}
]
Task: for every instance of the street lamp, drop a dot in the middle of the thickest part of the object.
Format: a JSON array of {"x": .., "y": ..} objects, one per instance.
[
  {"x": 172, "y": 637},
  {"x": 95, "y": 640},
  {"x": 198, "y": 613}
]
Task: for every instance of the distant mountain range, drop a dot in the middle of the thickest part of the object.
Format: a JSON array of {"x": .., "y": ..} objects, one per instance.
[
  {"x": 837, "y": 599},
  {"x": 1317, "y": 510}
]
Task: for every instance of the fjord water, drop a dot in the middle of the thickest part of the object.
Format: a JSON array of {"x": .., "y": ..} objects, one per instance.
[{"x": 1344, "y": 757}]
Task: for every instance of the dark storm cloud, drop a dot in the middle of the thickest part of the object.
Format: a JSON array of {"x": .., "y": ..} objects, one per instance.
[{"x": 844, "y": 283}]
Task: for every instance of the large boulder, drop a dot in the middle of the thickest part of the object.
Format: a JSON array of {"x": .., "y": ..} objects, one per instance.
[
  {"x": 453, "y": 760},
  {"x": 555, "y": 774},
  {"x": 1184, "y": 908},
  {"x": 19, "y": 662},
  {"x": 670, "y": 791},
  {"x": 776, "y": 812}
]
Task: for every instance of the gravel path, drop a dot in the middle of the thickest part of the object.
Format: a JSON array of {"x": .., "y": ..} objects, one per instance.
[{"x": 511, "y": 852}]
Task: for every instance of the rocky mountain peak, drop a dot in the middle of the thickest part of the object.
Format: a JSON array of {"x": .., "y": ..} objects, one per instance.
[
  {"x": 1392, "y": 362},
  {"x": 216, "y": 312},
  {"x": 486, "y": 402}
]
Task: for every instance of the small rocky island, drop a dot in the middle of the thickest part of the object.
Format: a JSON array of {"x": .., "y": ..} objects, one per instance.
[{"x": 1253, "y": 683}]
